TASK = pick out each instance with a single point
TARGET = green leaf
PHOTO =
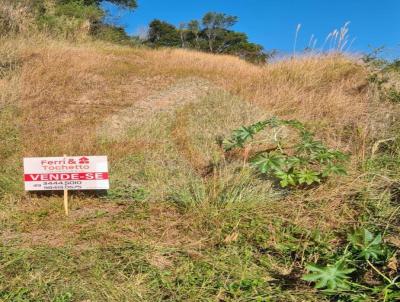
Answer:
(293, 161)
(308, 177)
(339, 155)
(310, 146)
(243, 133)
(332, 168)
(239, 137)
(229, 144)
(329, 277)
(257, 127)
(367, 245)
(286, 178)
(324, 156)
(266, 163)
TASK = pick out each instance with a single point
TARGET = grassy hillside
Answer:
(184, 221)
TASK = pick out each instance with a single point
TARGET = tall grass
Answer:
(15, 18)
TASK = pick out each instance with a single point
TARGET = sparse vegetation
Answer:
(384, 76)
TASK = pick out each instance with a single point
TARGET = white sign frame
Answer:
(66, 173)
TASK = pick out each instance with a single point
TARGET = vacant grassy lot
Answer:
(183, 221)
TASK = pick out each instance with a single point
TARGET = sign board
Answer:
(66, 173)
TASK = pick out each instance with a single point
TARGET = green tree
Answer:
(237, 44)
(215, 24)
(194, 29)
(128, 4)
(163, 34)
(211, 34)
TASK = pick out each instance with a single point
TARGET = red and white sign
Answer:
(66, 173)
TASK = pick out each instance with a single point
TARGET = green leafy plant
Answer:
(365, 253)
(308, 163)
(330, 277)
(367, 245)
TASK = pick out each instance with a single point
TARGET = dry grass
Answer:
(15, 17)
(67, 90)
(326, 91)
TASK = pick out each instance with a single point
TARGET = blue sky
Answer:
(272, 23)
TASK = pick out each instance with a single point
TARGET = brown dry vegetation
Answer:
(69, 89)
(57, 98)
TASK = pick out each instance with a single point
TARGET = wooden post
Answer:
(66, 199)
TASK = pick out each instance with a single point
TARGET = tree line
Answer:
(213, 33)
(71, 19)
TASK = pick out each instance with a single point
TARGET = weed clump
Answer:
(306, 162)
(361, 272)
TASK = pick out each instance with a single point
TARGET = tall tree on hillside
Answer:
(215, 24)
(194, 28)
(183, 33)
(163, 34)
(237, 43)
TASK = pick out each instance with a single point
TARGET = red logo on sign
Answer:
(84, 160)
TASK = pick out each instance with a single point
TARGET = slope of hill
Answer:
(182, 222)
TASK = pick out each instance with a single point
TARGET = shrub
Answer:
(384, 77)
(305, 163)
(110, 33)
